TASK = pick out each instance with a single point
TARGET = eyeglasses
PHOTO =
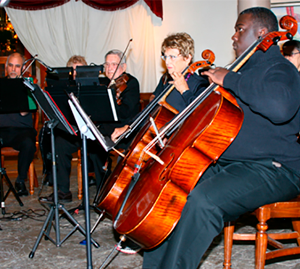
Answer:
(112, 64)
(292, 53)
(171, 57)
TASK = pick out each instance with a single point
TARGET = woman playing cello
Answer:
(261, 166)
(177, 52)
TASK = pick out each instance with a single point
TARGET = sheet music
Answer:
(106, 143)
(113, 108)
(49, 107)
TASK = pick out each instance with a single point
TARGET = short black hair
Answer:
(263, 17)
(289, 46)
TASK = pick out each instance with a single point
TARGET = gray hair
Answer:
(116, 52)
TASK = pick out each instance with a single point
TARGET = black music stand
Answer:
(88, 75)
(87, 130)
(9, 89)
(59, 76)
(56, 119)
(10, 186)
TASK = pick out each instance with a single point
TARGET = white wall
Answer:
(209, 22)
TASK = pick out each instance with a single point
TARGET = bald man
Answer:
(16, 129)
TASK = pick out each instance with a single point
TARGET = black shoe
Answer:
(21, 189)
(92, 181)
(48, 180)
(62, 197)
(128, 247)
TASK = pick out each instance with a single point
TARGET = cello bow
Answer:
(209, 57)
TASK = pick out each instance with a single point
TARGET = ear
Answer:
(262, 31)
(189, 58)
(124, 65)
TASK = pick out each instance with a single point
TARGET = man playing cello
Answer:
(262, 164)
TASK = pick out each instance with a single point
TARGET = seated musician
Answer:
(261, 166)
(16, 129)
(44, 135)
(177, 52)
(66, 144)
(291, 51)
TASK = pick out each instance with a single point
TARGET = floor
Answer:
(21, 226)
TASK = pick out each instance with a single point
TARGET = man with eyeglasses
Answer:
(67, 145)
(128, 106)
(291, 51)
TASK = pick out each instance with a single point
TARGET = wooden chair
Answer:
(9, 151)
(289, 209)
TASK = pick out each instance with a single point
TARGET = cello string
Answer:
(189, 109)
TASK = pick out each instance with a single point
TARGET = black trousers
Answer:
(23, 140)
(65, 146)
(225, 191)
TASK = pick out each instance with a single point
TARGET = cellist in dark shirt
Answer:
(261, 166)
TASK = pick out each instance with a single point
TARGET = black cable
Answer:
(33, 214)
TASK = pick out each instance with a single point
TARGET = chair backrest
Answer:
(35, 119)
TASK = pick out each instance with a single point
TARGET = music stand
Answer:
(59, 76)
(10, 186)
(10, 88)
(91, 97)
(88, 75)
(56, 119)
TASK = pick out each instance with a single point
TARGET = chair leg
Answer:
(36, 183)
(296, 227)
(228, 240)
(261, 244)
(31, 178)
(79, 175)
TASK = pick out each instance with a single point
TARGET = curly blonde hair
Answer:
(181, 41)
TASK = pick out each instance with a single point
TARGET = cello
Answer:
(203, 131)
(121, 176)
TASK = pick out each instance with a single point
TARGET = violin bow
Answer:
(113, 77)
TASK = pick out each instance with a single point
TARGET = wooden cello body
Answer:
(152, 208)
(123, 172)
(160, 194)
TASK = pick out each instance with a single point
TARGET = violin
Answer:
(120, 85)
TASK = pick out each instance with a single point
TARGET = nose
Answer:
(168, 59)
(234, 37)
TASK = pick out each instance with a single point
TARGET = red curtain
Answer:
(35, 4)
(108, 5)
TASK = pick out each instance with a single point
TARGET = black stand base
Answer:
(47, 227)
(10, 188)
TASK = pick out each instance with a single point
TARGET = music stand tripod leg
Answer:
(55, 207)
(2, 195)
(10, 185)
